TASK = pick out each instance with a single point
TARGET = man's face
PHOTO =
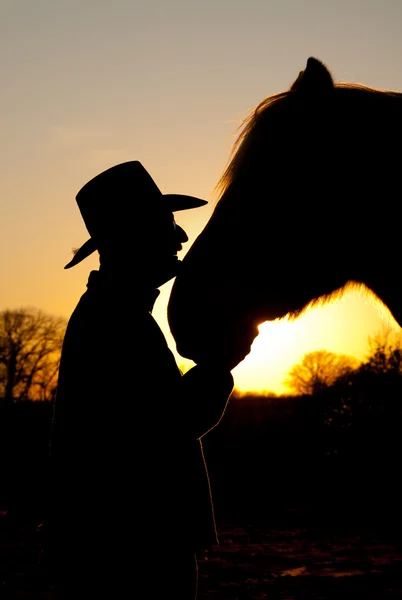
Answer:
(167, 239)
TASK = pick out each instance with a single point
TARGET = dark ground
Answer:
(265, 454)
(254, 560)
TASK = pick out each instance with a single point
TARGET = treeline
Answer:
(30, 348)
(336, 450)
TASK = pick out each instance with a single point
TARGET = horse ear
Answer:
(315, 77)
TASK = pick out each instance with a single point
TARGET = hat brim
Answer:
(183, 202)
(175, 202)
(82, 253)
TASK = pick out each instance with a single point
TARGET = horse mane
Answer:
(266, 122)
(319, 150)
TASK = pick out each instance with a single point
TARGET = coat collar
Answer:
(122, 287)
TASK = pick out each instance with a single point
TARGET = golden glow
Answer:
(342, 325)
(69, 111)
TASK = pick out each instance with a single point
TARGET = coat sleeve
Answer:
(204, 393)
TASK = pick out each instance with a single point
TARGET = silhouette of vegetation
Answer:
(318, 370)
(337, 451)
(385, 353)
(336, 448)
(368, 399)
(30, 346)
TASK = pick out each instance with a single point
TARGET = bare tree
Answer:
(385, 353)
(30, 348)
(318, 370)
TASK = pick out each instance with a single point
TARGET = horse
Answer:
(307, 206)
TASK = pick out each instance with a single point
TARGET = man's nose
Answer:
(181, 234)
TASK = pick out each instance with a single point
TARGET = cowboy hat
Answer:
(120, 194)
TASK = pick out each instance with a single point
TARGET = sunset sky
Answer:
(90, 83)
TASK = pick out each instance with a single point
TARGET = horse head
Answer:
(306, 205)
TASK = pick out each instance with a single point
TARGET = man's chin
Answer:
(169, 272)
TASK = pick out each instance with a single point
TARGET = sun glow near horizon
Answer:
(342, 325)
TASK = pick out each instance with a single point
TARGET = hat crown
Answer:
(116, 179)
(118, 195)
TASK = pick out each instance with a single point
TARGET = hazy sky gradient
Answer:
(87, 84)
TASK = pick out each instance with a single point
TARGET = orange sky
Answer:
(86, 85)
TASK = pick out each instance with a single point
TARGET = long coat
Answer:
(126, 453)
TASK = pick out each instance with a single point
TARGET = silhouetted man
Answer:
(130, 497)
